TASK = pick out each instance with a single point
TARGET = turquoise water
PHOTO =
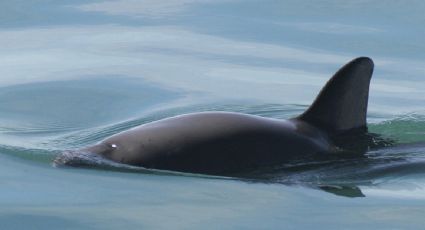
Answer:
(75, 72)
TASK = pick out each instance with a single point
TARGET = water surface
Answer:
(75, 72)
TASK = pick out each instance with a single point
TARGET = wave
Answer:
(407, 128)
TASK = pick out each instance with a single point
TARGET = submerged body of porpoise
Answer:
(221, 143)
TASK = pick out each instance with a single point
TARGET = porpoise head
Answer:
(92, 155)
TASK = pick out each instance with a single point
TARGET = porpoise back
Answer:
(222, 143)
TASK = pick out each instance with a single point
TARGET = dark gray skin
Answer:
(213, 143)
(222, 143)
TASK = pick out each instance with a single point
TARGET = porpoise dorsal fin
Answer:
(342, 103)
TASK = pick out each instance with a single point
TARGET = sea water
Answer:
(75, 72)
